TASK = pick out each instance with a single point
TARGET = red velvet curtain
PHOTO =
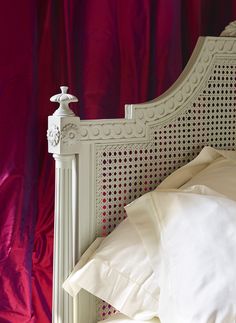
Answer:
(109, 52)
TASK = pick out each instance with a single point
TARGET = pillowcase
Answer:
(213, 168)
(220, 176)
(119, 272)
(196, 235)
(121, 318)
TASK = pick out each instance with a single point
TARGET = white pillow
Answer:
(126, 270)
(121, 318)
(120, 273)
(197, 237)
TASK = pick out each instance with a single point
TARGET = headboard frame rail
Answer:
(104, 164)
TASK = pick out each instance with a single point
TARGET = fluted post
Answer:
(63, 142)
(63, 261)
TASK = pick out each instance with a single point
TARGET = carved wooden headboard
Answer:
(102, 165)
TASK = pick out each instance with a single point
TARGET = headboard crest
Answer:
(64, 133)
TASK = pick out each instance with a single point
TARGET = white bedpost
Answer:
(63, 141)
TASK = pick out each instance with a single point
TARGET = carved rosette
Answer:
(53, 135)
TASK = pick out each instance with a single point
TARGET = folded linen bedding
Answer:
(121, 318)
(111, 273)
(183, 236)
(196, 262)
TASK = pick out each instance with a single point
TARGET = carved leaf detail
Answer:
(70, 134)
(230, 30)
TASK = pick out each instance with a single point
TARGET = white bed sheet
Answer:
(121, 318)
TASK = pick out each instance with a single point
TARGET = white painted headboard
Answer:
(102, 165)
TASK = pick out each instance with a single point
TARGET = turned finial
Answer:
(64, 99)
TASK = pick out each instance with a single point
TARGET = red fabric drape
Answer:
(109, 52)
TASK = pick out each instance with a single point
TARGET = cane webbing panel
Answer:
(124, 171)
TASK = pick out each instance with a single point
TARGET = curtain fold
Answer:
(109, 53)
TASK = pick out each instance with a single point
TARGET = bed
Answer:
(103, 165)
